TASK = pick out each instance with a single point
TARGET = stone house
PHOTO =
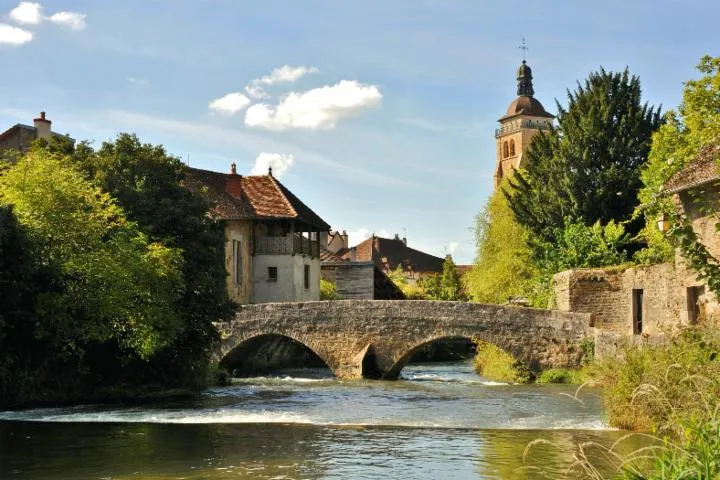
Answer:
(19, 137)
(387, 254)
(272, 239)
(645, 302)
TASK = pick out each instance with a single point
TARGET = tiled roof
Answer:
(252, 197)
(20, 126)
(701, 170)
(391, 253)
(328, 256)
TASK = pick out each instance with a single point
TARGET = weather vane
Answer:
(524, 48)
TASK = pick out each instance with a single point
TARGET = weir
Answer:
(380, 336)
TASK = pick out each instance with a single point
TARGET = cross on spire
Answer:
(523, 46)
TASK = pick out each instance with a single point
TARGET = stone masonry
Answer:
(343, 333)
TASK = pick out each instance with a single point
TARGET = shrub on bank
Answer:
(653, 388)
(495, 364)
(563, 375)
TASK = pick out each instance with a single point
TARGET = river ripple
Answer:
(439, 421)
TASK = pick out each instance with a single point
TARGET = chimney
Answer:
(405, 241)
(42, 126)
(397, 237)
(233, 182)
(345, 241)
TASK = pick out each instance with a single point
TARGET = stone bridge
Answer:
(350, 335)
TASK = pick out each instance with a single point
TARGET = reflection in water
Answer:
(438, 421)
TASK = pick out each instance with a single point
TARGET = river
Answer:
(439, 421)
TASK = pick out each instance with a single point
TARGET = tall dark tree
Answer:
(147, 183)
(588, 168)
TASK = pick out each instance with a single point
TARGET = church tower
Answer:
(524, 118)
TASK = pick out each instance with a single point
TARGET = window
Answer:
(237, 261)
(272, 274)
(505, 150)
(512, 148)
(307, 277)
(637, 310)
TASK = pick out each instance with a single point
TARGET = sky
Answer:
(379, 114)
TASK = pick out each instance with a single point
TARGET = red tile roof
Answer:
(391, 253)
(701, 170)
(250, 197)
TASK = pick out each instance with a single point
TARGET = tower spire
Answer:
(524, 75)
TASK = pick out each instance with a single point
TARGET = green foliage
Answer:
(328, 290)
(562, 375)
(445, 286)
(114, 284)
(695, 125)
(495, 364)
(587, 170)
(579, 246)
(412, 291)
(503, 267)
(147, 183)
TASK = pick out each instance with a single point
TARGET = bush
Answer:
(495, 364)
(658, 389)
(328, 290)
(562, 375)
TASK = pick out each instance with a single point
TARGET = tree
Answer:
(685, 132)
(588, 169)
(446, 285)
(503, 266)
(113, 284)
(148, 185)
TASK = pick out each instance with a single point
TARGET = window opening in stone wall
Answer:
(694, 306)
(272, 274)
(307, 277)
(637, 310)
(505, 150)
(237, 261)
(512, 148)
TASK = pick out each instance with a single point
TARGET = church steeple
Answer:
(524, 79)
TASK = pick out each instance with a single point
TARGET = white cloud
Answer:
(73, 20)
(14, 35)
(452, 247)
(279, 162)
(31, 13)
(319, 108)
(27, 13)
(284, 74)
(256, 92)
(362, 234)
(230, 104)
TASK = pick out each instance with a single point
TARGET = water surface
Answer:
(439, 421)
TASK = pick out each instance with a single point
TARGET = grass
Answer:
(565, 375)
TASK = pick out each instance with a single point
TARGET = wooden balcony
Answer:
(287, 245)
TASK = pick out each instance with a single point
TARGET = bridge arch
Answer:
(400, 358)
(269, 351)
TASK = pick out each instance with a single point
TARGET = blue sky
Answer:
(387, 108)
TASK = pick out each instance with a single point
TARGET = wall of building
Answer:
(522, 137)
(695, 207)
(670, 300)
(239, 230)
(290, 284)
(20, 140)
(353, 281)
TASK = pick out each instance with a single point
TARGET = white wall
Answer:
(290, 285)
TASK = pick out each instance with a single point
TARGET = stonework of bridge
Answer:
(346, 334)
